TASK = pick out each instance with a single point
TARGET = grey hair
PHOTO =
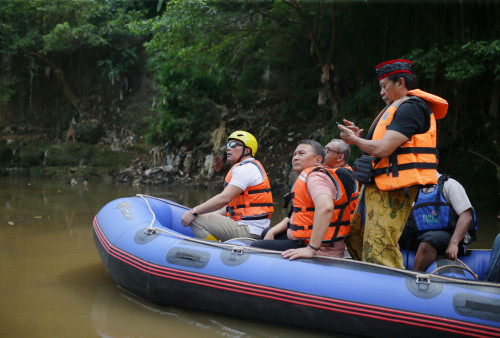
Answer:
(342, 148)
(318, 148)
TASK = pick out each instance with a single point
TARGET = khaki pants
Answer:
(221, 227)
(377, 224)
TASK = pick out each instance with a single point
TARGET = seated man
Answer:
(321, 208)
(337, 155)
(246, 201)
(442, 221)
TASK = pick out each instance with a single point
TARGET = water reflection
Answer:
(117, 313)
(53, 282)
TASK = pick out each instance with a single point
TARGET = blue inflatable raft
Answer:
(148, 252)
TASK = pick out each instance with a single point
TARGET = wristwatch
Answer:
(312, 247)
(193, 211)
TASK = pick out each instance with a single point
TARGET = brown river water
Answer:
(53, 284)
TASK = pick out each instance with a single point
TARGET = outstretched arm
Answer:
(213, 204)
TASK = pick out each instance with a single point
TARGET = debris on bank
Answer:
(120, 156)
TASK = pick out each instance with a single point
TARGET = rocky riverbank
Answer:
(117, 156)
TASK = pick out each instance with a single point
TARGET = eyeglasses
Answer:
(328, 151)
(233, 144)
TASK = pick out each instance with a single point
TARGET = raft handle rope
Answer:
(463, 267)
(152, 229)
(469, 269)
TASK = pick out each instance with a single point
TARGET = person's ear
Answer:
(319, 160)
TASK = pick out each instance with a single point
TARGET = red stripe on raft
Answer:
(370, 311)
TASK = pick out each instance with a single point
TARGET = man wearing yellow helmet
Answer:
(246, 201)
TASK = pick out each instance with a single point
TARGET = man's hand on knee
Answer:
(188, 218)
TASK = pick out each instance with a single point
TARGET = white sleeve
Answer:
(246, 175)
(455, 194)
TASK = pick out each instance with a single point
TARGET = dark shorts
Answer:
(438, 239)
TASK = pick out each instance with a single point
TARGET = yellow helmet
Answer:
(248, 140)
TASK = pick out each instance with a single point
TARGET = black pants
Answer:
(279, 243)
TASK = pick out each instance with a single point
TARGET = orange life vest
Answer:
(303, 208)
(256, 202)
(414, 162)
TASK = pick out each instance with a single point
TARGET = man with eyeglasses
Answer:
(337, 154)
(245, 206)
(319, 219)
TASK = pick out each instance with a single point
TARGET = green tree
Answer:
(474, 68)
(47, 32)
(211, 52)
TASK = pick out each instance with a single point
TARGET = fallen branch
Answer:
(486, 158)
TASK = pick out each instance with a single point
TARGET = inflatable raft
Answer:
(148, 252)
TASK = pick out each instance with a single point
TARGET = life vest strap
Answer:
(296, 209)
(259, 191)
(443, 178)
(416, 150)
(395, 168)
(239, 206)
(309, 227)
(287, 198)
(255, 217)
(342, 206)
(336, 239)
(338, 206)
(435, 203)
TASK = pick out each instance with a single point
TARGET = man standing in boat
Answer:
(245, 206)
(321, 204)
(402, 142)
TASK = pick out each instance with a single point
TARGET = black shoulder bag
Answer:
(363, 169)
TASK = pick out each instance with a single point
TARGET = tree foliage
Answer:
(44, 34)
(286, 68)
(311, 62)
(206, 52)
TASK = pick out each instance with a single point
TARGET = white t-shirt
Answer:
(247, 175)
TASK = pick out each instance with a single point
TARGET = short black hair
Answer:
(318, 148)
(410, 79)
